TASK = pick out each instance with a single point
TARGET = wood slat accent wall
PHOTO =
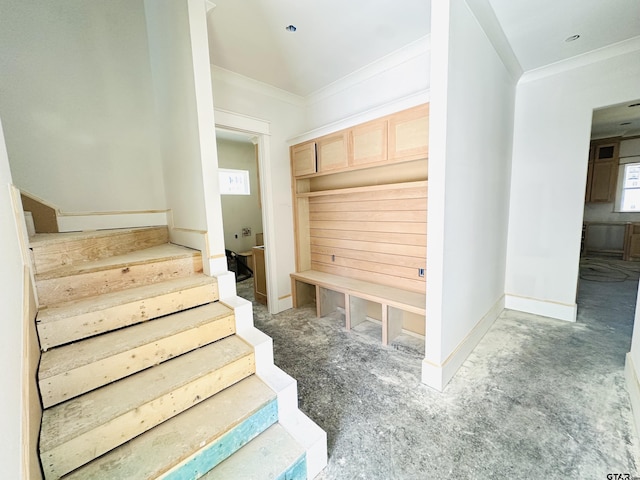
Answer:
(378, 234)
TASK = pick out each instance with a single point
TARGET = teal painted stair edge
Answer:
(214, 453)
(297, 471)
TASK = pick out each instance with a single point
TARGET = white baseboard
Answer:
(102, 221)
(437, 375)
(633, 387)
(559, 311)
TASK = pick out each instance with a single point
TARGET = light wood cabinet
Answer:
(602, 174)
(332, 151)
(368, 143)
(303, 159)
(259, 276)
(409, 134)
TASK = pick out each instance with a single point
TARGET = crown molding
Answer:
(610, 51)
(253, 85)
(394, 59)
(412, 100)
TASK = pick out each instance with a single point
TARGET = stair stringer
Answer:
(304, 430)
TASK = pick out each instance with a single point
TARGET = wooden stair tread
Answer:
(77, 368)
(53, 251)
(94, 349)
(167, 251)
(108, 300)
(161, 448)
(43, 239)
(74, 320)
(266, 457)
(77, 431)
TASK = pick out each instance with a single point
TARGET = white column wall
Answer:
(551, 144)
(77, 104)
(11, 341)
(472, 105)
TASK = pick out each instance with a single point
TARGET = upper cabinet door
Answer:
(409, 134)
(303, 159)
(369, 143)
(332, 152)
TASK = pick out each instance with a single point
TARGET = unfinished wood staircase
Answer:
(142, 375)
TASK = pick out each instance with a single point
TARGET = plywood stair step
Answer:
(71, 370)
(75, 432)
(78, 319)
(56, 250)
(190, 444)
(274, 454)
(141, 267)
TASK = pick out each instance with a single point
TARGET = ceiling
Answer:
(335, 37)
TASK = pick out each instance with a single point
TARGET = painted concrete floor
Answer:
(537, 399)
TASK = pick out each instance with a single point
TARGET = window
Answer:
(234, 182)
(630, 198)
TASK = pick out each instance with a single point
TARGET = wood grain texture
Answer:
(133, 269)
(80, 319)
(157, 451)
(75, 432)
(72, 370)
(51, 252)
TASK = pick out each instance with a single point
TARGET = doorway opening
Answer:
(610, 249)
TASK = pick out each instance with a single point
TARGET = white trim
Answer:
(544, 308)
(285, 303)
(260, 128)
(438, 375)
(372, 70)
(633, 387)
(297, 424)
(486, 17)
(394, 106)
(78, 222)
(243, 82)
(594, 56)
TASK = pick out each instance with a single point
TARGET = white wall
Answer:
(397, 81)
(77, 104)
(472, 105)
(11, 299)
(551, 144)
(240, 211)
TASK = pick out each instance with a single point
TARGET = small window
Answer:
(234, 182)
(630, 199)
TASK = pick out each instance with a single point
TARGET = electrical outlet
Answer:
(421, 272)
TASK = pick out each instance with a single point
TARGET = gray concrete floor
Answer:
(537, 399)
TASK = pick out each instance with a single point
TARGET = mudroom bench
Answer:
(330, 291)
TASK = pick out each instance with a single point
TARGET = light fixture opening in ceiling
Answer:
(634, 105)
(291, 28)
(572, 38)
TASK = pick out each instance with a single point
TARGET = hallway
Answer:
(538, 398)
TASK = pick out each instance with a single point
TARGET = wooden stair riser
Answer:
(81, 449)
(49, 256)
(174, 442)
(222, 448)
(71, 383)
(82, 285)
(76, 327)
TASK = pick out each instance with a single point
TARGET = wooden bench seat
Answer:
(356, 293)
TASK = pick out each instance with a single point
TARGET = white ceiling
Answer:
(336, 37)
